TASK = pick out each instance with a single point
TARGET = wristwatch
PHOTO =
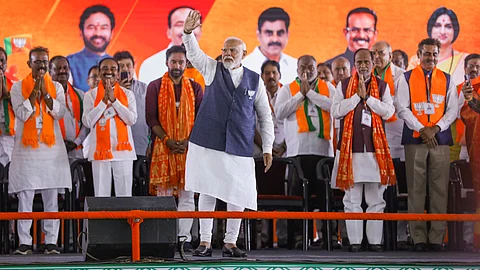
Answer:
(47, 96)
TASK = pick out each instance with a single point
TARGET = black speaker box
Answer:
(107, 239)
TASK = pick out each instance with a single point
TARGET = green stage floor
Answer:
(238, 266)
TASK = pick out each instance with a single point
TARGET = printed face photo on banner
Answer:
(282, 33)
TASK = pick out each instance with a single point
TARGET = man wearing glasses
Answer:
(360, 32)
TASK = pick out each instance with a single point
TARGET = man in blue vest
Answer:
(219, 159)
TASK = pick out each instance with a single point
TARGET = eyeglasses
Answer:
(94, 77)
(380, 53)
(356, 30)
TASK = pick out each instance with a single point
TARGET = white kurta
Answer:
(394, 130)
(305, 143)
(6, 141)
(218, 174)
(70, 128)
(92, 114)
(44, 167)
(365, 166)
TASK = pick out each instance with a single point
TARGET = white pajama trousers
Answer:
(50, 226)
(207, 203)
(122, 175)
(376, 204)
(186, 202)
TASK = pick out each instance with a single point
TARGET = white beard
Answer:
(229, 65)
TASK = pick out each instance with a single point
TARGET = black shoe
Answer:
(23, 250)
(187, 247)
(355, 248)
(51, 249)
(233, 252)
(403, 245)
(202, 251)
(420, 247)
(375, 248)
(436, 247)
(335, 245)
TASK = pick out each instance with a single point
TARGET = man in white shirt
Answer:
(427, 101)
(109, 111)
(363, 166)
(140, 130)
(223, 168)
(7, 116)
(39, 160)
(73, 131)
(153, 67)
(304, 106)
(272, 33)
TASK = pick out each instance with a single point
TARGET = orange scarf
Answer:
(77, 110)
(168, 170)
(460, 126)
(418, 96)
(471, 119)
(104, 147)
(304, 120)
(8, 111)
(345, 166)
(30, 135)
(387, 76)
(194, 74)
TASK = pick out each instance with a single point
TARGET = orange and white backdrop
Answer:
(141, 25)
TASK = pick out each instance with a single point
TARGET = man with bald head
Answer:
(385, 69)
(363, 166)
(340, 69)
(223, 168)
(304, 106)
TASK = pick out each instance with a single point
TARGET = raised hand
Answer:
(192, 21)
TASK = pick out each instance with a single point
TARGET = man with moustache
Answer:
(271, 76)
(363, 164)
(470, 114)
(140, 130)
(304, 106)
(109, 111)
(272, 33)
(172, 104)
(384, 69)
(39, 160)
(96, 28)
(7, 115)
(153, 68)
(400, 59)
(223, 168)
(340, 69)
(73, 131)
(324, 72)
(93, 77)
(428, 103)
(360, 32)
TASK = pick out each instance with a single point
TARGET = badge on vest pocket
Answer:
(366, 118)
(250, 93)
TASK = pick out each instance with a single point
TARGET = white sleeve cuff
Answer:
(28, 105)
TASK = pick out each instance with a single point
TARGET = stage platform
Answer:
(260, 259)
